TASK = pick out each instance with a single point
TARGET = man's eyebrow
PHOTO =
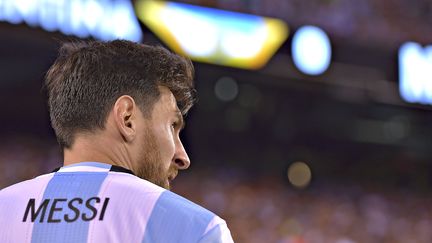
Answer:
(180, 119)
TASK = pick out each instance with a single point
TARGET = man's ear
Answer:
(125, 114)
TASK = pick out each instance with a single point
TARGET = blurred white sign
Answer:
(415, 73)
(102, 19)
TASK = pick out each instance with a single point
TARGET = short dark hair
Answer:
(88, 77)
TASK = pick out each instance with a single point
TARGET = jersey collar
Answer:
(92, 167)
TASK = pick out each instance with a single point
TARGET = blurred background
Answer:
(313, 123)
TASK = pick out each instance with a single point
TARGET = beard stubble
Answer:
(151, 167)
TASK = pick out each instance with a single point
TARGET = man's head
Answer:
(130, 94)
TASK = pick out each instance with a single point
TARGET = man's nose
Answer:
(181, 159)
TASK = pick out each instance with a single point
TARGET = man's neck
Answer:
(95, 149)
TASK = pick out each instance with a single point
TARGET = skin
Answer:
(149, 147)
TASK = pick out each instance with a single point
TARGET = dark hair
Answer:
(88, 77)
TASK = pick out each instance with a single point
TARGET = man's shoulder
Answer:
(185, 220)
(182, 206)
(168, 200)
(24, 186)
(131, 184)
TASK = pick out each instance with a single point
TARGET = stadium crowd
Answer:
(265, 209)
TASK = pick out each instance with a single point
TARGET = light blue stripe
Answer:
(67, 185)
(175, 219)
(94, 164)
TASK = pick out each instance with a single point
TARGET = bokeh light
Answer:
(226, 89)
(311, 50)
(299, 174)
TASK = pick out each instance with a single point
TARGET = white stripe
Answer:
(215, 221)
(83, 168)
(14, 199)
(130, 206)
(225, 234)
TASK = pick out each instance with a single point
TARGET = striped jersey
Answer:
(96, 202)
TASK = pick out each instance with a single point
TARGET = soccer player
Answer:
(117, 110)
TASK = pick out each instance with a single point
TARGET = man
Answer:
(117, 110)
